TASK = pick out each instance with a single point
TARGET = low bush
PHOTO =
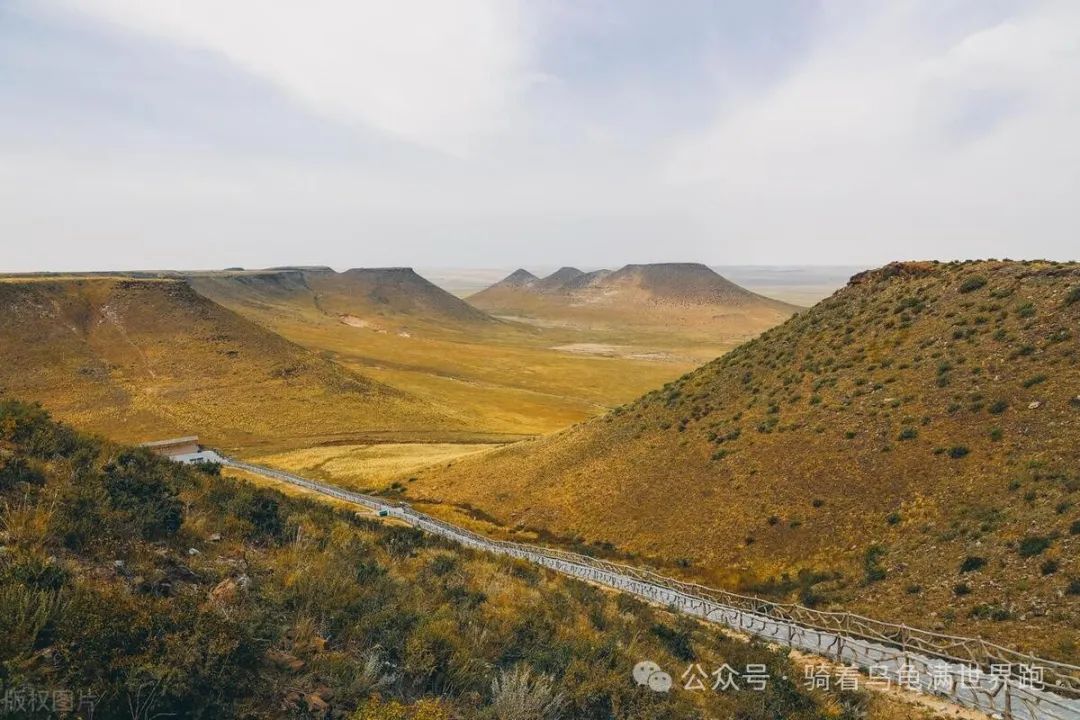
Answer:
(972, 563)
(996, 613)
(1033, 545)
(972, 283)
(872, 563)
(18, 470)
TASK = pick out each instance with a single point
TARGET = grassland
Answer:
(368, 467)
(160, 590)
(907, 448)
(138, 359)
(491, 376)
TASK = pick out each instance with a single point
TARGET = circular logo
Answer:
(643, 670)
(659, 681)
(649, 674)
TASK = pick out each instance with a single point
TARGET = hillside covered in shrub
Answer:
(909, 448)
(158, 589)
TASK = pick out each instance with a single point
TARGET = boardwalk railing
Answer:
(969, 671)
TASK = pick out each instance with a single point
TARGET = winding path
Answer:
(969, 672)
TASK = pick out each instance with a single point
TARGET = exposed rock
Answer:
(284, 660)
(225, 592)
(316, 704)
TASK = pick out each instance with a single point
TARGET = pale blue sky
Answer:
(493, 133)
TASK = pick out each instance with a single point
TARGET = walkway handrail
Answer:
(1061, 678)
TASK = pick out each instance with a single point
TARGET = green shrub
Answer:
(1033, 545)
(972, 283)
(142, 486)
(972, 563)
(958, 451)
(908, 433)
(1034, 380)
(17, 470)
(996, 613)
(998, 407)
(1049, 566)
(402, 542)
(1073, 296)
(262, 511)
(872, 563)
(678, 640)
(961, 589)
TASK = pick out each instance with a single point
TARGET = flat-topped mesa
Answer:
(252, 287)
(401, 290)
(397, 293)
(681, 282)
(304, 268)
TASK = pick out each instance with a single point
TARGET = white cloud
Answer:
(884, 132)
(432, 72)
(957, 145)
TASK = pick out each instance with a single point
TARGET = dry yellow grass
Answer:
(368, 467)
(140, 359)
(490, 376)
(855, 456)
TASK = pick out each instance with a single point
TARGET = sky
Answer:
(152, 134)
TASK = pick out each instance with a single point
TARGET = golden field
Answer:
(140, 359)
(491, 375)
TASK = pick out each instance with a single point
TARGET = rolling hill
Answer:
(497, 378)
(136, 359)
(908, 448)
(687, 299)
(390, 297)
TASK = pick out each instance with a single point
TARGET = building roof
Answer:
(173, 441)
